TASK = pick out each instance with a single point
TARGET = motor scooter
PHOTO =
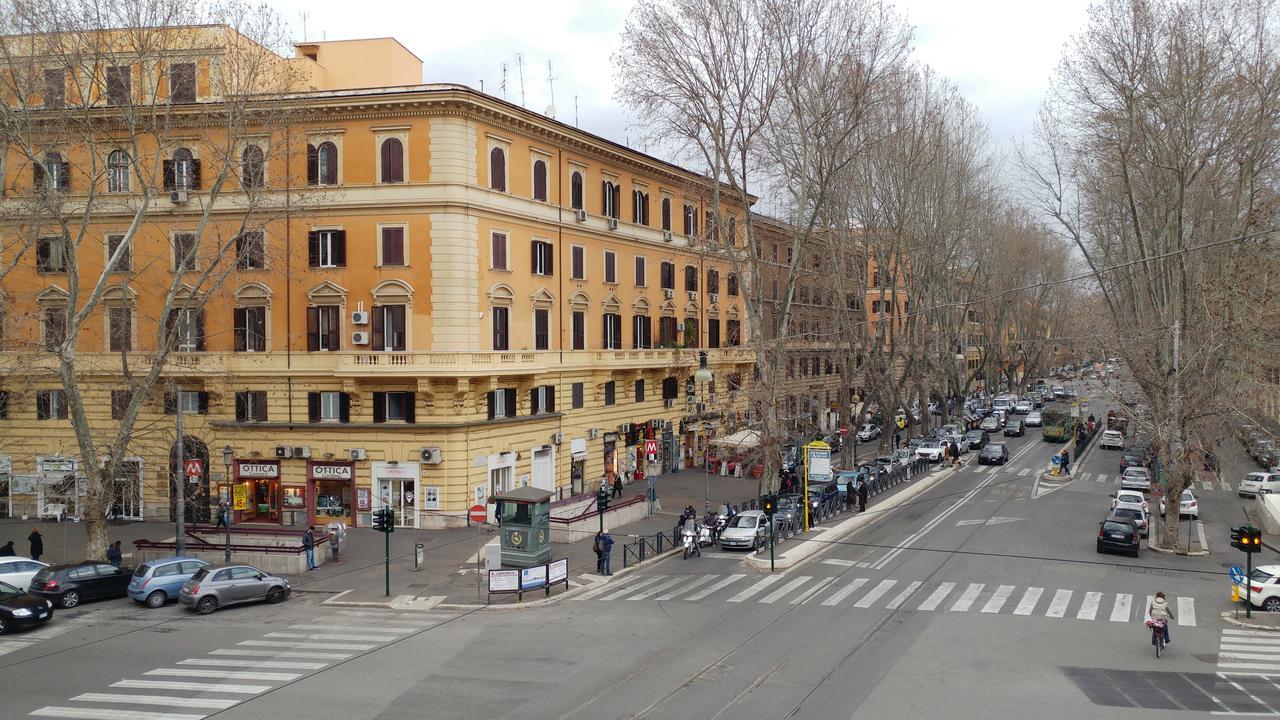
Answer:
(691, 545)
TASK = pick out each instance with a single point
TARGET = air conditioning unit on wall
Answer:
(613, 223)
(359, 338)
(430, 455)
(302, 452)
(178, 197)
(360, 317)
(357, 454)
(284, 453)
(580, 215)
(666, 235)
(557, 438)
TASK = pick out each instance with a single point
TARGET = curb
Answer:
(1230, 618)
(808, 547)
(1167, 551)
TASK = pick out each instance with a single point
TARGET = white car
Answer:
(962, 443)
(1023, 407)
(1136, 478)
(1265, 584)
(748, 529)
(1259, 482)
(930, 450)
(1111, 440)
(868, 432)
(1059, 391)
(1130, 497)
(18, 571)
(1034, 419)
(903, 457)
(1188, 507)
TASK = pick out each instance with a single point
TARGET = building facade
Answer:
(452, 297)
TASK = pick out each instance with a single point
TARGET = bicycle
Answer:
(1157, 635)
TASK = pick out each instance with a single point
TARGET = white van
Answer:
(1259, 482)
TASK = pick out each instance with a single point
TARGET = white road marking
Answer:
(1085, 476)
(1235, 655)
(609, 587)
(817, 587)
(1204, 543)
(1089, 606)
(1186, 611)
(104, 714)
(864, 565)
(933, 601)
(902, 597)
(784, 590)
(224, 674)
(171, 700)
(633, 587)
(307, 645)
(760, 585)
(1251, 695)
(283, 654)
(837, 561)
(1023, 472)
(688, 587)
(655, 589)
(937, 520)
(845, 591)
(966, 598)
(267, 664)
(718, 586)
(1102, 477)
(998, 600)
(1251, 633)
(331, 636)
(389, 629)
(1058, 606)
(1121, 610)
(1028, 601)
(876, 592)
(192, 686)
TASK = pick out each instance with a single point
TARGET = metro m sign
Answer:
(193, 469)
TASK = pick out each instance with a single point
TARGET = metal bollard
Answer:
(419, 551)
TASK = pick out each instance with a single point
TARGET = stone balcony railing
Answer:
(406, 364)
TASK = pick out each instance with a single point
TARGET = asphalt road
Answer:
(982, 598)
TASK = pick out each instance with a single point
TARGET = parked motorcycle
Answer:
(691, 546)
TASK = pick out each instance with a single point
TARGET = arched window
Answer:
(732, 282)
(183, 171)
(575, 190)
(253, 170)
(540, 180)
(118, 171)
(713, 281)
(498, 169)
(666, 213)
(322, 164)
(392, 161)
(53, 173)
(690, 278)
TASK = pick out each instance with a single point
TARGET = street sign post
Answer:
(1237, 574)
(193, 469)
(817, 468)
(477, 514)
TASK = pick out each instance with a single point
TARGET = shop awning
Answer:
(741, 440)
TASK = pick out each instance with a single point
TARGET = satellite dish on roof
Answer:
(550, 112)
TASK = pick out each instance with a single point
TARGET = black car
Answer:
(1118, 536)
(1013, 427)
(993, 454)
(21, 610)
(977, 439)
(69, 585)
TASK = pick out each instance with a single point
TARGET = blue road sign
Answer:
(1237, 574)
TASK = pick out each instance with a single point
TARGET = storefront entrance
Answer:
(396, 486)
(331, 487)
(126, 492)
(256, 497)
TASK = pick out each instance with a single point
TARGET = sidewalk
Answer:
(447, 575)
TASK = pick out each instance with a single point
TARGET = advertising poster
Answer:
(534, 577)
(504, 581)
(558, 571)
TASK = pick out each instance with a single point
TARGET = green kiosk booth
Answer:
(524, 516)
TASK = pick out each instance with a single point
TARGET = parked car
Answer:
(1188, 506)
(1129, 497)
(977, 439)
(69, 585)
(748, 529)
(19, 609)
(1059, 391)
(1111, 440)
(1013, 428)
(990, 424)
(1119, 535)
(18, 571)
(993, 454)
(1136, 478)
(930, 450)
(789, 515)
(961, 442)
(868, 432)
(1265, 586)
(1129, 460)
(903, 457)
(1136, 515)
(156, 582)
(214, 586)
(1022, 407)
(1256, 482)
(1034, 419)
(821, 493)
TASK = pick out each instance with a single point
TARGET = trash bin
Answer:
(419, 553)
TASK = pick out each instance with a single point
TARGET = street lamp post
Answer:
(703, 375)
(228, 454)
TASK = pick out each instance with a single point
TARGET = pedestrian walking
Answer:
(7, 550)
(862, 494)
(223, 515)
(897, 440)
(114, 555)
(606, 548)
(955, 454)
(37, 543)
(1066, 462)
(309, 544)
(598, 548)
(617, 486)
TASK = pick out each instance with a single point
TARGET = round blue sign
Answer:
(1237, 574)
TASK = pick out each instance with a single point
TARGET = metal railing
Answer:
(647, 547)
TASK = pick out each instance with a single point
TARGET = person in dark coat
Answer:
(1066, 462)
(598, 548)
(309, 545)
(862, 495)
(606, 548)
(7, 550)
(37, 543)
(955, 454)
(114, 555)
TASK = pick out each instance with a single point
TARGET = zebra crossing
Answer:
(193, 688)
(891, 594)
(1199, 484)
(1248, 652)
(48, 632)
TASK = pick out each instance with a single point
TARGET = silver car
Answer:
(747, 529)
(217, 585)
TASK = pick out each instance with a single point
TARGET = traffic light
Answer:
(769, 505)
(602, 500)
(378, 523)
(1237, 537)
(1247, 538)
(384, 520)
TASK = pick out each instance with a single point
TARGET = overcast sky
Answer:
(999, 52)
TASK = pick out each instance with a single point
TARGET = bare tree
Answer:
(104, 129)
(1156, 158)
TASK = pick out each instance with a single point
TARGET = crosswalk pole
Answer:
(770, 544)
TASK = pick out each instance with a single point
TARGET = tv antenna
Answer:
(503, 85)
(520, 71)
(551, 90)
